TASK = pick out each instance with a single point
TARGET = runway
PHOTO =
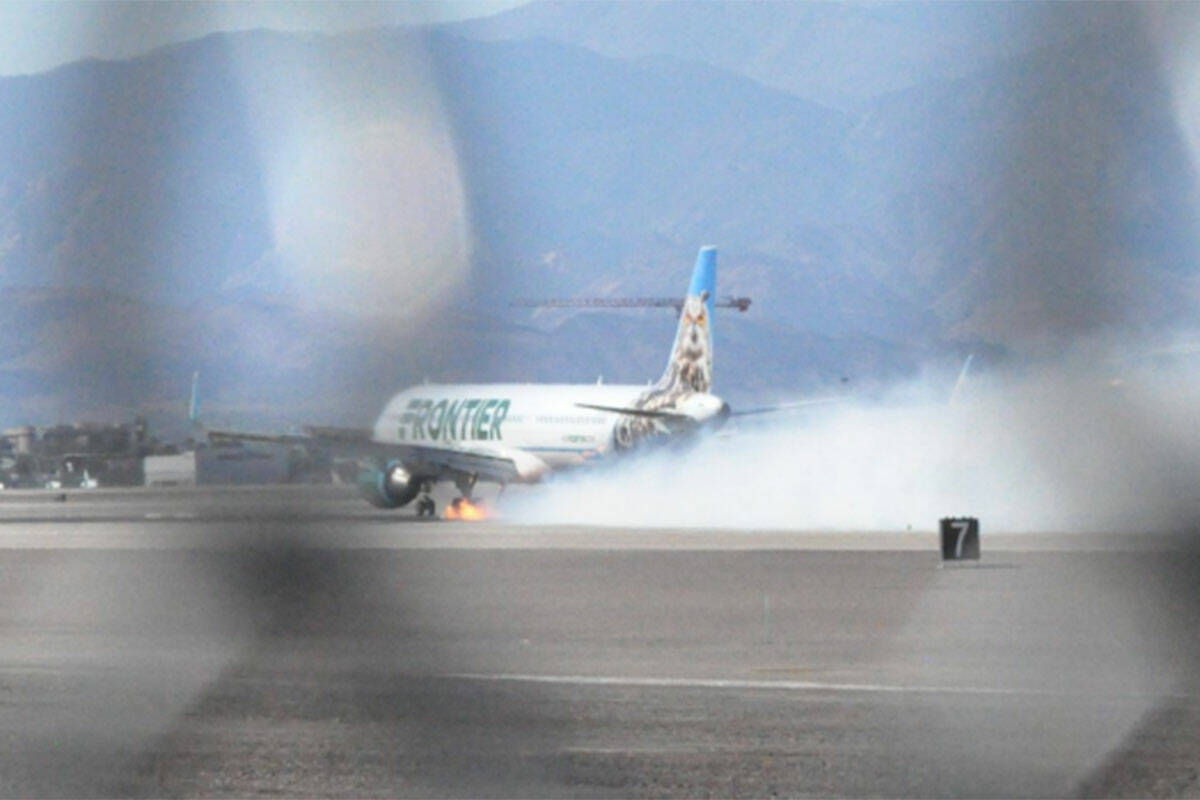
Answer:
(293, 642)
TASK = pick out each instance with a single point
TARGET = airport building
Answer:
(222, 465)
(124, 454)
(75, 454)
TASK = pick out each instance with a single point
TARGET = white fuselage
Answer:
(541, 426)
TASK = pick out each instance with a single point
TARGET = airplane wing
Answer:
(359, 443)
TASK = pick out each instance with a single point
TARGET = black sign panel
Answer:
(960, 538)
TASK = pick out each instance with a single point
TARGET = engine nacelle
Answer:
(390, 487)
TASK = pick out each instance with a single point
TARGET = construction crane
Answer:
(740, 303)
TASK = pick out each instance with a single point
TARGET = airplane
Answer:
(520, 432)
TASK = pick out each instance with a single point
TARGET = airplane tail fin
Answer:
(199, 431)
(194, 401)
(691, 364)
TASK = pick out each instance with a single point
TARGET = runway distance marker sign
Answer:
(960, 538)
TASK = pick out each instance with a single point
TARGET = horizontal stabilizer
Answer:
(816, 401)
(635, 412)
(737, 303)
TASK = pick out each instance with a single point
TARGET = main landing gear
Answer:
(463, 507)
(425, 505)
(465, 485)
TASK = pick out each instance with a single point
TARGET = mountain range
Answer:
(313, 221)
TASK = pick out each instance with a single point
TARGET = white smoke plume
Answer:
(1089, 444)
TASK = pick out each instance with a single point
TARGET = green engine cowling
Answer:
(390, 487)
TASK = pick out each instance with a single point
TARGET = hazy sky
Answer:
(37, 36)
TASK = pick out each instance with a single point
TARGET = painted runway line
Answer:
(791, 685)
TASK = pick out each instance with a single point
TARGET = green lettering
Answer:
(468, 409)
(482, 419)
(436, 415)
(498, 416)
(407, 418)
(423, 414)
(450, 429)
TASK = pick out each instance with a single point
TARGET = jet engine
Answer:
(390, 487)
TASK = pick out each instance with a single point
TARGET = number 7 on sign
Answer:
(962, 526)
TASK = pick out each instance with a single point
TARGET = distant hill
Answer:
(840, 54)
(313, 221)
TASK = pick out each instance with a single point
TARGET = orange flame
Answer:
(464, 509)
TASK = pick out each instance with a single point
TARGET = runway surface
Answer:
(294, 642)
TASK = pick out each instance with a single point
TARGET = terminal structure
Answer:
(87, 455)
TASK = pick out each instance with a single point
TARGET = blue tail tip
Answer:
(704, 276)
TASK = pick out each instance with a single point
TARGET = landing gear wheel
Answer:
(426, 506)
(465, 485)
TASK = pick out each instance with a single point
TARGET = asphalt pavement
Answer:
(256, 643)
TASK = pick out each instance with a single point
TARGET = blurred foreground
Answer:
(278, 653)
